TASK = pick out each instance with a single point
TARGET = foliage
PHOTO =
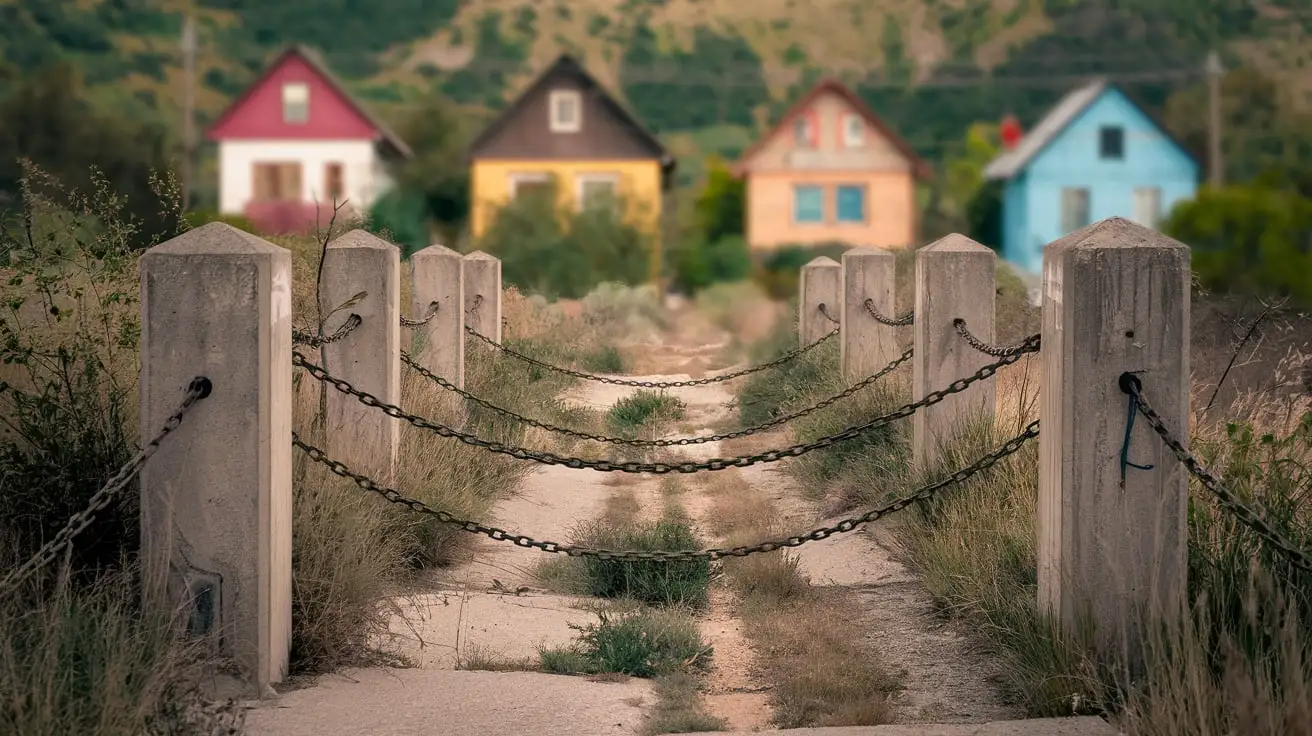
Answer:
(779, 270)
(550, 250)
(699, 264)
(438, 174)
(196, 218)
(681, 582)
(768, 394)
(721, 204)
(1248, 238)
(398, 216)
(641, 643)
(643, 408)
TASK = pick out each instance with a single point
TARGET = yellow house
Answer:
(831, 170)
(566, 126)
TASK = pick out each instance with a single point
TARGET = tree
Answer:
(438, 173)
(722, 203)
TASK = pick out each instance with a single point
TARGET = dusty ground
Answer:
(490, 605)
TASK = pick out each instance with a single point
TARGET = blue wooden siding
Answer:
(1033, 199)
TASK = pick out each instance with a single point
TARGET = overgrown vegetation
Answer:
(642, 642)
(644, 409)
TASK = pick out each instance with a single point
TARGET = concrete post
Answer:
(954, 278)
(483, 294)
(216, 499)
(1112, 547)
(821, 284)
(440, 345)
(868, 273)
(369, 357)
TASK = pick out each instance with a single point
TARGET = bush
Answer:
(1248, 238)
(196, 218)
(643, 643)
(779, 270)
(701, 264)
(682, 582)
(643, 409)
(399, 216)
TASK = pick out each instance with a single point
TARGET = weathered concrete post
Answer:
(868, 273)
(440, 344)
(1112, 538)
(216, 499)
(369, 357)
(954, 279)
(483, 294)
(821, 288)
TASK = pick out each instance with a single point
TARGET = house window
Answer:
(851, 202)
(596, 189)
(802, 132)
(854, 131)
(276, 182)
(528, 184)
(334, 186)
(295, 102)
(566, 111)
(1111, 142)
(1147, 206)
(1074, 209)
(808, 204)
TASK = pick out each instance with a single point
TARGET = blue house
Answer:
(1095, 155)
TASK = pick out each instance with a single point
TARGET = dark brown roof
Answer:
(918, 166)
(316, 62)
(565, 64)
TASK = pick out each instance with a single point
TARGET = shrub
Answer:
(643, 409)
(643, 643)
(771, 393)
(700, 264)
(196, 218)
(779, 270)
(650, 581)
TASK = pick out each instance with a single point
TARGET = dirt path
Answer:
(490, 606)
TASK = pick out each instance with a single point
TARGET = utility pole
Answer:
(1215, 162)
(188, 107)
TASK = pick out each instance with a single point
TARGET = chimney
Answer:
(1011, 132)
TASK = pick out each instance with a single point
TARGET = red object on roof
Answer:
(1011, 132)
(919, 168)
(257, 114)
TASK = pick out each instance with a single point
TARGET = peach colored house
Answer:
(831, 170)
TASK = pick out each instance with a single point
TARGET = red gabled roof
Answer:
(317, 66)
(830, 84)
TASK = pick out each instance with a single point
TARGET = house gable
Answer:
(607, 131)
(332, 114)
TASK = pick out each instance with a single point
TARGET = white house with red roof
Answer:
(295, 138)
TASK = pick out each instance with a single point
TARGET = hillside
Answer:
(705, 73)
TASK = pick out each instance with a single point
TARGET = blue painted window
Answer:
(852, 204)
(808, 204)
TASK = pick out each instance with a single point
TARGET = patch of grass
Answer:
(484, 659)
(644, 410)
(679, 708)
(682, 582)
(774, 392)
(642, 643)
(605, 359)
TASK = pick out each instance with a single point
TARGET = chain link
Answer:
(657, 468)
(1246, 515)
(902, 321)
(815, 535)
(650, 384)
(997, 351)
(310, 339)
(680, 442)
(432, 312)
(824, 309)
(198, 389)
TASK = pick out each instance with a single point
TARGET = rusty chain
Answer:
(1248, 516)
(997, 351)
(791, 355)
(198, 389)
(657, 468)
(432, 312)
(302, 337)
(902, 321)
(679, 442)
(824, 309)
(500, 535)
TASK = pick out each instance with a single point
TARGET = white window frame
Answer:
(854, 136)
(593, 177)
(565, 126)
(528, 177)
(288, 102)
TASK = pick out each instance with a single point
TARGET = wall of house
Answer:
(364, 176)
(890, 209)
(640, 185)
(1151, 160)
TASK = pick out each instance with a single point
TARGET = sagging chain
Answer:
(824, 309)
(1248, 516)
(432, 312)
(679, 442)
(302, 337)
(500, 535)
(656, 468)
(791, 355)
(902, 321)
(997, 351)
(198, 389)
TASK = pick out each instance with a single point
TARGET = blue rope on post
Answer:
(1131, 385)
